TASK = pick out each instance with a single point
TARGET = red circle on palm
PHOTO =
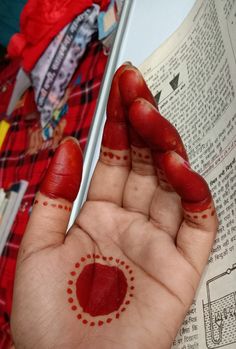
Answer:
(101, 289)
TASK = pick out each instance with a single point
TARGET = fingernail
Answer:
(63, 177)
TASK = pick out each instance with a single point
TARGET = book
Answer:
(13, 198)
(193, 78)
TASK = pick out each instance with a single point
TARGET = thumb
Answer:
(53, 203)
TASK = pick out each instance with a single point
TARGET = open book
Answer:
(193, 78)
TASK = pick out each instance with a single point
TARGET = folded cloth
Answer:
(53, 71)
(40, 22)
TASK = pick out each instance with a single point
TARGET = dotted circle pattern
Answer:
(71, 289)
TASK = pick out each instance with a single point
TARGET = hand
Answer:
(127, 271)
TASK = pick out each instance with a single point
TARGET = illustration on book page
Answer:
(220, 309)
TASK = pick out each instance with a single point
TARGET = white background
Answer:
(150, 23)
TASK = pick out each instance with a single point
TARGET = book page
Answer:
(193, 78)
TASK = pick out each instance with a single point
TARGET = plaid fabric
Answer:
(16, 163)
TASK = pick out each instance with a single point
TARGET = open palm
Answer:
(126, 273)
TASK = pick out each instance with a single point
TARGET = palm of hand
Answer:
(160, 281)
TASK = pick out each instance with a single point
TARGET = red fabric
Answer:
(40, 21)
(16, 163)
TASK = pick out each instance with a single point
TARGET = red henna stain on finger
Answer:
(191, 187)
(135, 139)
(116, 111)
(156, 131)
(115, 135)
(132, 86)
(100, 290)
(63, 177)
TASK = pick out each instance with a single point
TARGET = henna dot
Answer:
(140, 155)
(110, 155)
(117, 316)
(66, 208)
(127, 302)
(53, 205)
(117, 260)
(131, 295)
(82, 259)
(110, 258)
(77, 265)
(125, 157)
(122, 262)
(94, 255)
(45, 203)
(85, 321)
(132, 287)
(188, 215)
(204, 216)
(88, 255)
(92, 323)
(212, 213)
(36, 202)
(97, 256)
(127, 267)
(79, 316)
(134, 152)
(196, 217)
(105, 153)
(131, 271)
(100, 323)
(73, 273)
(70, 282)
(70, 208)
(69, 290)
(123, 309)
(132, 279)
(147, 157)
(70, 300)
(109, 320)
(117, 157)
(74, 307)
(104, 258)
(60, 206)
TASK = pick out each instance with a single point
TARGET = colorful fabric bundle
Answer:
(55, 68)
(40, 22)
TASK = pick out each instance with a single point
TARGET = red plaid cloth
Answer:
(16, 164)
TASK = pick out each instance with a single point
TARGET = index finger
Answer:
(113, 167)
